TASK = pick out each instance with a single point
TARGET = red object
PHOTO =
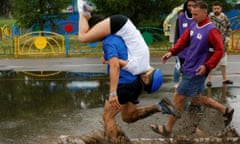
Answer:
(68, 28)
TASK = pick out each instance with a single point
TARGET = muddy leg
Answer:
(111, 128)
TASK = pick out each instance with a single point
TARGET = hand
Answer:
(227, 40)
(103, 60)
(113, 100)
(201, 70)
(166, 57)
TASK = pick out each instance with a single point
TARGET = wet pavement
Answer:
(69, 112)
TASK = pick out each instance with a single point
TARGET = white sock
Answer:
(80, 4)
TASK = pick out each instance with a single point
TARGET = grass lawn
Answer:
(4, 21)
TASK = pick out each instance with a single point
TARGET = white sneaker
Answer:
(87, 10)
(80, 4)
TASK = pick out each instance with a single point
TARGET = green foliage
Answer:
(5, 8)
(141, 12)
(29, 12)
(144, 12)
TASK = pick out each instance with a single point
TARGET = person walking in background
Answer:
(198, 38)
(221, 21)
(183, 22)
(169, 23)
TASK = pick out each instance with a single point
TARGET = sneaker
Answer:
(227, 82)
(209, 84)
(168, 108)
(228, 116)
(80, 4)
(87, 10)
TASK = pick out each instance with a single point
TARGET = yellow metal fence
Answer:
(45, 43)
(39, 43)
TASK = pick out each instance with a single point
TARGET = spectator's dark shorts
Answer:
(129, 92)
(190, 86)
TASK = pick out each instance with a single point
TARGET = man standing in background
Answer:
(222, 23)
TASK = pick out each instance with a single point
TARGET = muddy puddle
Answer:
(55, 107)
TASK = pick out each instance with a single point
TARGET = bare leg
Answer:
(110, 126)
(130, 112)
(96, 33)
(178, 102)
(209, 78)
(83, 24)
(223, 70)
(209, 102)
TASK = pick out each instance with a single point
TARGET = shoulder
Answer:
(225, 17)
(113, 42)
(214, 32)
(181, 15)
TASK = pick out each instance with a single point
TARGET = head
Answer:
(217, 8)
(152, 80)
(187, 7)
(200, 11)
(95, 19)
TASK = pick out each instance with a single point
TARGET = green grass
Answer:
(4, 21)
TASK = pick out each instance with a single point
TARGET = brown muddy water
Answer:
(65, 107)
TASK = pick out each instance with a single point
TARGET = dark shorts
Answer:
(190, 86)
(129, 92)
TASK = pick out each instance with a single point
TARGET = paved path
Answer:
(93, 64)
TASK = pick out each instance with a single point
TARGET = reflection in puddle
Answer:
(81, 85)
(22, 94)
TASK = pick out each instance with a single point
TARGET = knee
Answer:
(178, 103)
(82, 39)
(104, 116)
(196, 102)
(127, 119)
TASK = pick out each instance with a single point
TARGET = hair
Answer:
(185, 7)
(95, 19)
(217, 3)
(201, 4)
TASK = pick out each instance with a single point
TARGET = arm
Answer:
(122, 63)
(227, 32)
(215, 41)
(181, 43)
(114, 77)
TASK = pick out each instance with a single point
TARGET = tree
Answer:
(6, 8)
(141, 12)
(29, 12)
(145, 12)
